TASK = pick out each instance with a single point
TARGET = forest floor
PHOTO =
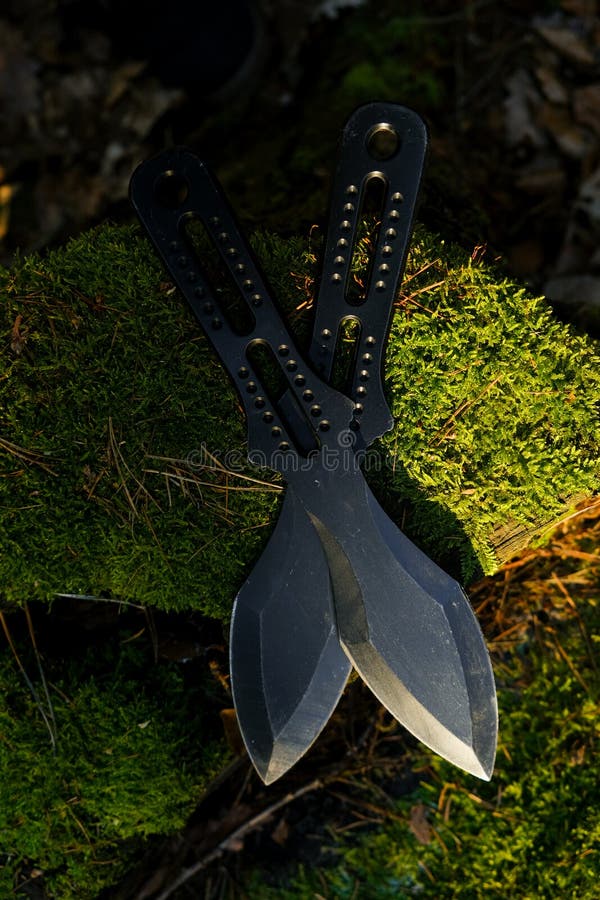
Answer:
(510, 91)
(363, 755)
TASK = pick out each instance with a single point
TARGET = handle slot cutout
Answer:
(292, 412)
(229, 295)
(345, 353)
(372, 204)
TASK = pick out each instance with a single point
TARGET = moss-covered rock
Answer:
(111, 402)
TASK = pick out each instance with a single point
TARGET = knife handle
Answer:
(167, 193)
(387, 142)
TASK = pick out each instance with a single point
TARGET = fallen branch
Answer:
(234, 838)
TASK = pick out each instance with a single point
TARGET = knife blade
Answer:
(338, 507)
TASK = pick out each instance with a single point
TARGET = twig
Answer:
(176, 476)
(92, 597)
(117, 455)
(446, 428)
(237, 835)
(570, 664)
(28, 680)
(33, 457)
(38, 659)
(217, 466)
(578, 512)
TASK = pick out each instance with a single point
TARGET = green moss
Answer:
(132, 757)
(497, 405)
(111, 378)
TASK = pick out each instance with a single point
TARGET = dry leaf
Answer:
(281, 832)
(552, 88)
(234, 844)
(17, 340)
(6, 193)
(572, 140)
(587, 206)
(419, 825)
(578, 756)
(586, 106)
(543, 176)
(233, 735)
(522, 98)
(568, 44)
(121, 79)
(584, 9)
